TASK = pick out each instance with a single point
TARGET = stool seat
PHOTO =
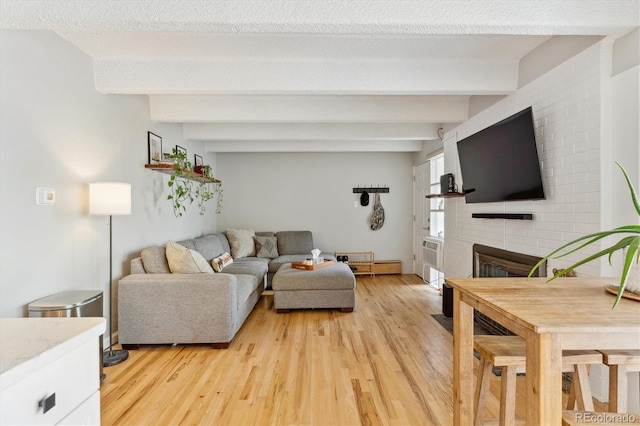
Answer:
(620, 362)
(509, 353)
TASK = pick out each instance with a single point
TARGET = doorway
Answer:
(428, 213)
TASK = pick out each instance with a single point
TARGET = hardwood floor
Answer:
(388, 362)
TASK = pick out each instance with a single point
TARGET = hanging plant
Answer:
(184, 190)
(181, 188)
(206, 190)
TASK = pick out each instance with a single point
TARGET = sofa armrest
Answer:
(177, 308)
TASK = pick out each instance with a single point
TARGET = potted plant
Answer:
(628, 244)
(184, 190)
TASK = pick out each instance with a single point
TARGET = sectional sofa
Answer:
(158, 306)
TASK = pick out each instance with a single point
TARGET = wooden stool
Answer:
(620, 362)
(509, 353)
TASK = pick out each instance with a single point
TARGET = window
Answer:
(436, 215)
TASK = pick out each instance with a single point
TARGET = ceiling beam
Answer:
(308, 109)
(329, 16)
(306, 77)
(314, 146)
(309, 131)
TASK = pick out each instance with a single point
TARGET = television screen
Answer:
(500, 163)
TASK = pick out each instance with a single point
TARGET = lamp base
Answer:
(112, 357)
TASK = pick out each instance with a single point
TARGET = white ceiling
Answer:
(330, 75)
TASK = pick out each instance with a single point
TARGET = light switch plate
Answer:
(45, 196)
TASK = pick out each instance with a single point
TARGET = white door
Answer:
(421, 207)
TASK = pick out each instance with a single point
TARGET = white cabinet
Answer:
(50, 358)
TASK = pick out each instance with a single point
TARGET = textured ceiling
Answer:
(290, 76)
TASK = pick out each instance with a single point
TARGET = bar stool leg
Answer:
(482, 390)
(617, 389)
(508, 397)
(582, 388)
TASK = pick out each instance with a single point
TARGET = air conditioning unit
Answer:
(433, 252)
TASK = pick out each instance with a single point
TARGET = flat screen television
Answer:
(500, 163)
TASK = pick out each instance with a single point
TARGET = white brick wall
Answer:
(566, 110)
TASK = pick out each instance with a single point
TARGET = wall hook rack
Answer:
(371, 189)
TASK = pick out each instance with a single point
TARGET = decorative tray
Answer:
(613, 289)
(301, 265)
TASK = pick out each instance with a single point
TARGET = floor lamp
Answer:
(110, 198)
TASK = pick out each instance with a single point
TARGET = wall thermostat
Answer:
(45, 196)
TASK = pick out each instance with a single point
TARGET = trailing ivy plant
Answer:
(205, 191)
(184, 190)
(181, 188)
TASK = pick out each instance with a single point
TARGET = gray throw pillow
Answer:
(266, 247)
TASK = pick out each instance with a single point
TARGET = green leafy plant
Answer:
(629, 243)
(184, 190)
(206, 190)
(181, 188)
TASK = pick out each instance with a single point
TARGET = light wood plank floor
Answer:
(388, 362)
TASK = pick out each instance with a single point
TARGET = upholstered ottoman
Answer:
(330, 287)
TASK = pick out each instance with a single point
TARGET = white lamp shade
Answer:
(110, 198)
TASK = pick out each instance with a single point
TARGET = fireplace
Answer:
(494, 262)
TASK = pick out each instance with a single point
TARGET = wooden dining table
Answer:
(567, 313)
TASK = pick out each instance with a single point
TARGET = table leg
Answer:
(463, 386)
(544, 379)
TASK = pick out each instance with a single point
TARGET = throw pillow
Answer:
(221, 261)
(186, 261)
(266, 247)
(241, 242)
(154, 260)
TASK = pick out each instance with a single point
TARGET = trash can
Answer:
(74, 303)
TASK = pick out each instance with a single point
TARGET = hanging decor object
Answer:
(377, 217)
(364, 198)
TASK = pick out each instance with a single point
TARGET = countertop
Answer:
(28, 344)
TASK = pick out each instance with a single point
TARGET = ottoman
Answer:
(330, 287)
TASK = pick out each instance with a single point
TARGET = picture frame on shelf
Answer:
(197, 160)
(154, 148)
(181, 150)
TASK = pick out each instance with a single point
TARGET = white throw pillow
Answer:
(241, 242)
(221, 261)
(186, 261)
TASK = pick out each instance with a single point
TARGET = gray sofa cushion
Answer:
(295, 242)
(188, 244)
(255, 268)
(246, 285)
(209, 246)
(154, 260)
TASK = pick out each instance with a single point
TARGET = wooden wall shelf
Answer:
(188, 174)
(446, 195)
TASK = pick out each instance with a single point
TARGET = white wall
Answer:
(57, 131)
(584, 121)
(314, 191)
(566, 109)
